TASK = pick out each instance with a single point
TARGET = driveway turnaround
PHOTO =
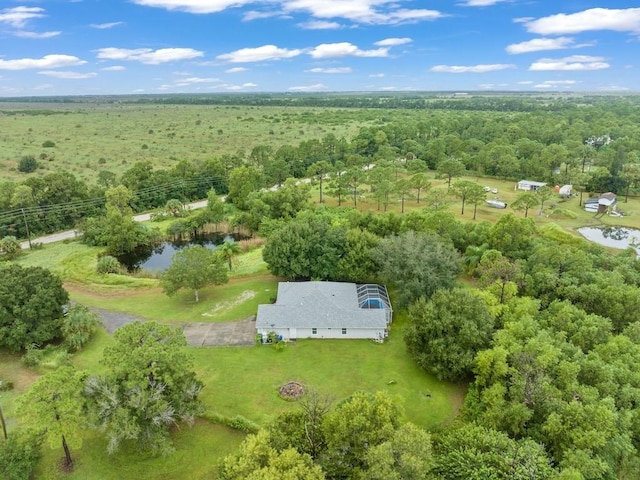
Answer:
(198, 334)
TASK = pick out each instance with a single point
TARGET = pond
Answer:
(616, 237)
(158, 259)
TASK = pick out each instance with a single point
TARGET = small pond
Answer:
(616, 237)
(159, 258)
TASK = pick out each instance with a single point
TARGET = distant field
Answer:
(111, 136)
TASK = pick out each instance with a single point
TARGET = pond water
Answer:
(616, 237)
(159, 258)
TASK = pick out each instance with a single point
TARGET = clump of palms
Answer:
(229, 251)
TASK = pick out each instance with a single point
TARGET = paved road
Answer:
(71, 234)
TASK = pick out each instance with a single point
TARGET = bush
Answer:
(18, 456)
(48, 144)
(6, 386)
(78, 326)
(109, 264)
(10, 247)
(33, 356)
(28, 164)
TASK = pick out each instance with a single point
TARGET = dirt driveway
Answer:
(198, 334)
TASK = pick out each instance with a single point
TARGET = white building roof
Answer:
(320, 305)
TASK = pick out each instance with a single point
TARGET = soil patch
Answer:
(291, 390)
(243, 297)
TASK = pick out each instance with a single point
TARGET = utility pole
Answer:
(26, 225)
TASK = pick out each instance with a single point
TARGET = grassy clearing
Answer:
(198, 451)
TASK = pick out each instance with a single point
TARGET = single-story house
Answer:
(326, 310)
(605, 203)
(529, 185)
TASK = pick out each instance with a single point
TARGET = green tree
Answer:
(31, 300)
(242, 181)
(417, 264)
(361, 422)
(544, 193)
(174, 207)
(467, 190)
(10, 247)
(78, 325)
(355, 176)
(258, 460)
(319, 172)
(229, 251)
(420, 183)
(446, 332)
(450, 168)
(149, 387)
(358, 263)
(525, 201)
(28, 164)
(403, 188)
(54, 405)
(308, 247)
(406, 455)
(19, 455)
(512, 236)
(194, 267)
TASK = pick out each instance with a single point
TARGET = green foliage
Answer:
(450, 168)
(19, 455)
(194, 267)
(31, 302)
(54, 405)
(108, 264)
(447, 331)
(149, 387)
(78, 326)
(258, 460)
(28, 164)
(525, 201)
(10, 247)
(361, 422)
(305, 248)
(470, 452)
(512, 236)
(417, 264)
(48, 144)
(358, 263)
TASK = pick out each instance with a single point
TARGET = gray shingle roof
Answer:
(318, 305)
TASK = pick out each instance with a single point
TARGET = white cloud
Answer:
(195, 80)
(320, 25)
(344, 49)
(575, 62)
(67, 75)
(318, 87)
(254, 15)
(240, 87)
(472, 68)
(613, 88)
(542, 85)
(194, 6)
(556, 84)
(236, 70)
(377, 75)
(147, 55)
(393, 42)
(259, 54)
(525, 82)
(48, 61)
(480, 3)
(18, 17)
(330, 70)
(540, 44)
(105, 26)
(115, 68)
(25, 34)
(619, 20)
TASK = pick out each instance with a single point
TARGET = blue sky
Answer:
(99, 47)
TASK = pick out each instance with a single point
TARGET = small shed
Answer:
(605, 203)
(529, 185)
(565, 191)
(326, 310)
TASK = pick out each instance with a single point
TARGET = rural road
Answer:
(71, 234)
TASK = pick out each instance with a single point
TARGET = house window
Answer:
(314, 331)
(344, 331)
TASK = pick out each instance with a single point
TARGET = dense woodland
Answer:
(541, 325)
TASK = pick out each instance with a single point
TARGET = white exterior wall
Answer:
(352, 333)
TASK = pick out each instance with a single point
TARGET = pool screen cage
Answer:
(373, 296)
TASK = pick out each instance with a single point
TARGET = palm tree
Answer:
(228, 250)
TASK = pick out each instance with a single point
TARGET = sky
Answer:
(109, 47)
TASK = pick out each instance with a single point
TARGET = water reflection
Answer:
(616, 237)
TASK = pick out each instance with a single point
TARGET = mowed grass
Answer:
(199, 450)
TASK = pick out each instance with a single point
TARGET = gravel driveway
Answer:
(198, 334)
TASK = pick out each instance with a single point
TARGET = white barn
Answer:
(326, 310)
(529, 185)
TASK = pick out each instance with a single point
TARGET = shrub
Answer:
(109, 264)
(6, 386)
(48, 144)
(78, 326)
(28, 164)
(18, 456)
(10, 247)
(33, 356)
